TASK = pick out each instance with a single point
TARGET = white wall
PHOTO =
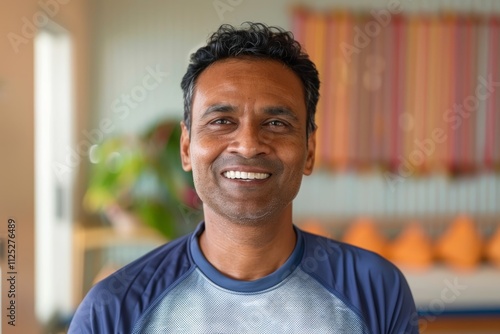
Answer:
(133, 35)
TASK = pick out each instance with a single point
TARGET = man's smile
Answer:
(231, 174)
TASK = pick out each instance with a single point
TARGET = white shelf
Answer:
(441, 289)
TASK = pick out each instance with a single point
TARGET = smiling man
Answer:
(248, 136)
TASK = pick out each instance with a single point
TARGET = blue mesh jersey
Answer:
(325, 286)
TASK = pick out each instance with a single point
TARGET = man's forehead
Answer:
(268, 76)
(233, 67)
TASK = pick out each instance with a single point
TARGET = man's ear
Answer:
(185, 152)
(311, 152)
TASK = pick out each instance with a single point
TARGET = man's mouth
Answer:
(231, 174)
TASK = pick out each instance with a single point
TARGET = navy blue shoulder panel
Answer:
(117, 302)
(368, 283)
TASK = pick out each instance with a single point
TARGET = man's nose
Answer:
(249, 141)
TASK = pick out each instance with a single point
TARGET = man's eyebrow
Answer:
(281, 111)
(271, 111)
(222, 107)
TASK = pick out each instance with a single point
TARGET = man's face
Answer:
(248, 147)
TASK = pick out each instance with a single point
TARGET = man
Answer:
(248, 136)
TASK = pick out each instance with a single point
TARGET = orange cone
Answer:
(412, 249)
(363, 233)
(493, 248)
(460, 245)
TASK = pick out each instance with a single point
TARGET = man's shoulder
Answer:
(349, 271)
(320, 247)
(368, 283)
(165, 263)
(124, 295)
(342, 255)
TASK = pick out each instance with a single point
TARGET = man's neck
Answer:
(247, 252)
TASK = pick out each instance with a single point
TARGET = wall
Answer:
(16, 147)
(132, 36)
(17, 135)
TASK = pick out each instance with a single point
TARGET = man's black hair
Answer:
(259, 41)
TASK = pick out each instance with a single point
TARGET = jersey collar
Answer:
(260, 284)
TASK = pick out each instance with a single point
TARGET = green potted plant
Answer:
(139, 179)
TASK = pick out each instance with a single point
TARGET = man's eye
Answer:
(221, 121)
(276, 123)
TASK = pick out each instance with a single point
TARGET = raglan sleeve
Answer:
(384, 296)
(401, 314)
(97, 313)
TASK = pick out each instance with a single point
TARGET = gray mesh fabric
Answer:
(299, 304)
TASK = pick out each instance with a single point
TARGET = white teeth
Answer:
(245, 175)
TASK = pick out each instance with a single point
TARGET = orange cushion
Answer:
(412, 248)
(493, 248)
(460, 245)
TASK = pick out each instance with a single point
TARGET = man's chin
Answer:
(251, 217)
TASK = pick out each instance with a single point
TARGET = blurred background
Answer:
(408, 161)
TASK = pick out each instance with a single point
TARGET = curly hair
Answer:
(259, 41)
